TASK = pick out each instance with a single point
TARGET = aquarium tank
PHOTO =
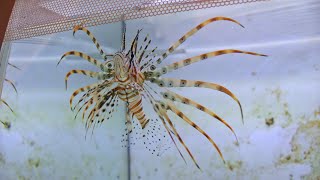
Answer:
(161, 89)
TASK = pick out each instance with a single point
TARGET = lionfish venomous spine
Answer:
(129, 74)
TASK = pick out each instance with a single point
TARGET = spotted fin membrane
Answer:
(154, 137)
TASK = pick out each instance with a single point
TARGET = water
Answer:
(279, 94)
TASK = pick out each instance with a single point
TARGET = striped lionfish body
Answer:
(129, 76)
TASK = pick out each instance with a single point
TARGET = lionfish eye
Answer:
(162, 105)
(152, 67)
(109, 65)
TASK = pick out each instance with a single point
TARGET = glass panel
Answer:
(44, 139)
(279, 94)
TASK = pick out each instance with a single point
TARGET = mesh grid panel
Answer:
(40, 17)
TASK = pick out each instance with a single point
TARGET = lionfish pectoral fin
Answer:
(83, 72)
(94, 112)
(79, 27)
(14, 66)
(180, 64)
(169, 132)
(83, 56)
(160, 111)
(179, 113)
(82, 89)
(180, 139)
(86, 109)
(83, 98)
(4, 102)
(91, 36)
(171, 82)
(97, 111)
(170, 95)
(12, 84)
(193, 31)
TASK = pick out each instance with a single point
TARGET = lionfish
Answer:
(4, 123)
(128, 76)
